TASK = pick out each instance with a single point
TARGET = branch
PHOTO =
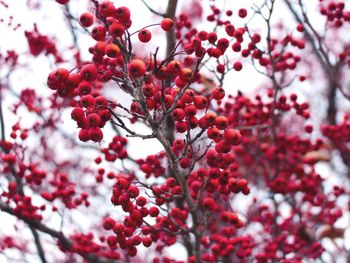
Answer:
(152, 10)
(38, 244)
(170, 35)
(67, 243)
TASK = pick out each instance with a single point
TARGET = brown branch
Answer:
(170, 35)
(66, 242)
(151, 9)
(69, 18)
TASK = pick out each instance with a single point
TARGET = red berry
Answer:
(147, 241)
(209, 203)
(86, 19)
(133, 191)
(232, 136)
(153, 211)
(112, 50)
(136, 68)
(167, 24)
(237, 66)
(242, 13)
(145, 35)
(116, 30)
(122, 14)
(84, 135)
(221, 122)
(77, 114)
(112, 241)
(94, 120)
(218, 93)
(108, 223)
(62, 2)
(98, 33)
(141, 201)
(89, 72)
(200, 101)
(95, 134)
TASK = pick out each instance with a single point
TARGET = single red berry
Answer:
(112, 241)
(94, 119)
(116, 30)
(141, 201)
(95, 134)
(218, 93)
(200, 101)
(108, 223)
(232, 136)
(89, 72)
(147, 241)
(98, 33)
(145, 35)
(84, 135)
(133, 191)
(86, 19)
(209, 203)
(153, 211)
(77, 114)
(242, 12)
(221, 122)
(230, 30)
(213, 133)
(122, 14)
(136, 68)
(62, 2)
(112, 50)
(167, 24)
(300, 27)
(237, 66)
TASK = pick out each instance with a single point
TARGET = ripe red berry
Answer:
(77, 114)
(209, 203)
(167, 24)
(218, 93)
(153, 211)
(230, 30)
(185, 163)
(84, 88)
(95, 134)
(94, 120)
(62, 2)
(141, 201)
(178, 114)
(221, 122)
(112, 241)
(213, 133)
(136, 68)
(116, 30)
(147, 241)
(86, 19)
(200, 101)
(223, 147)
(145, 35)
(84, 135)
(112, 50)
(237, 66)
(108, 223)
(133, 191)
(242, 13)
(300, 27)
(232, 136)
(98, 33)
(89, 72)
(122, 14)
(87, 101)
